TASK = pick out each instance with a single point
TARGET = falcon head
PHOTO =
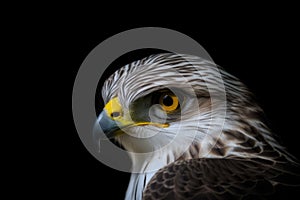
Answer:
(182, 106)
(171, 112)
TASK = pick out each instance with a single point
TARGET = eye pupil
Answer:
(167, 100)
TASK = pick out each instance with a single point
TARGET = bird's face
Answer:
(151, 105)
(171, 106)
(157, 109)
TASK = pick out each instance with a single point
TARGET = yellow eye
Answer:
(169, 102)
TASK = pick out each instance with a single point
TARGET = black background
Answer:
(260, 47)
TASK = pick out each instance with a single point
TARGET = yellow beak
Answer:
(113, 118)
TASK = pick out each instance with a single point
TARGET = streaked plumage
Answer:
(213, 156)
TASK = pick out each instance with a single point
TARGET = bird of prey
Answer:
(203, 134)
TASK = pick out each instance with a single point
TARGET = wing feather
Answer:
(234, 178)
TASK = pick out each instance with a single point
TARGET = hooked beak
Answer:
(112, 119)
(108, 126)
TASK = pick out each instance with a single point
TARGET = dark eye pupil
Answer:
(167, 100)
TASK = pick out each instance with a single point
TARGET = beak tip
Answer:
(107, 125)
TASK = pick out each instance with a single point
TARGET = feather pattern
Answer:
(226, 178)
(211, 156)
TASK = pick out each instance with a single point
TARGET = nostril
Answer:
(115, 114)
